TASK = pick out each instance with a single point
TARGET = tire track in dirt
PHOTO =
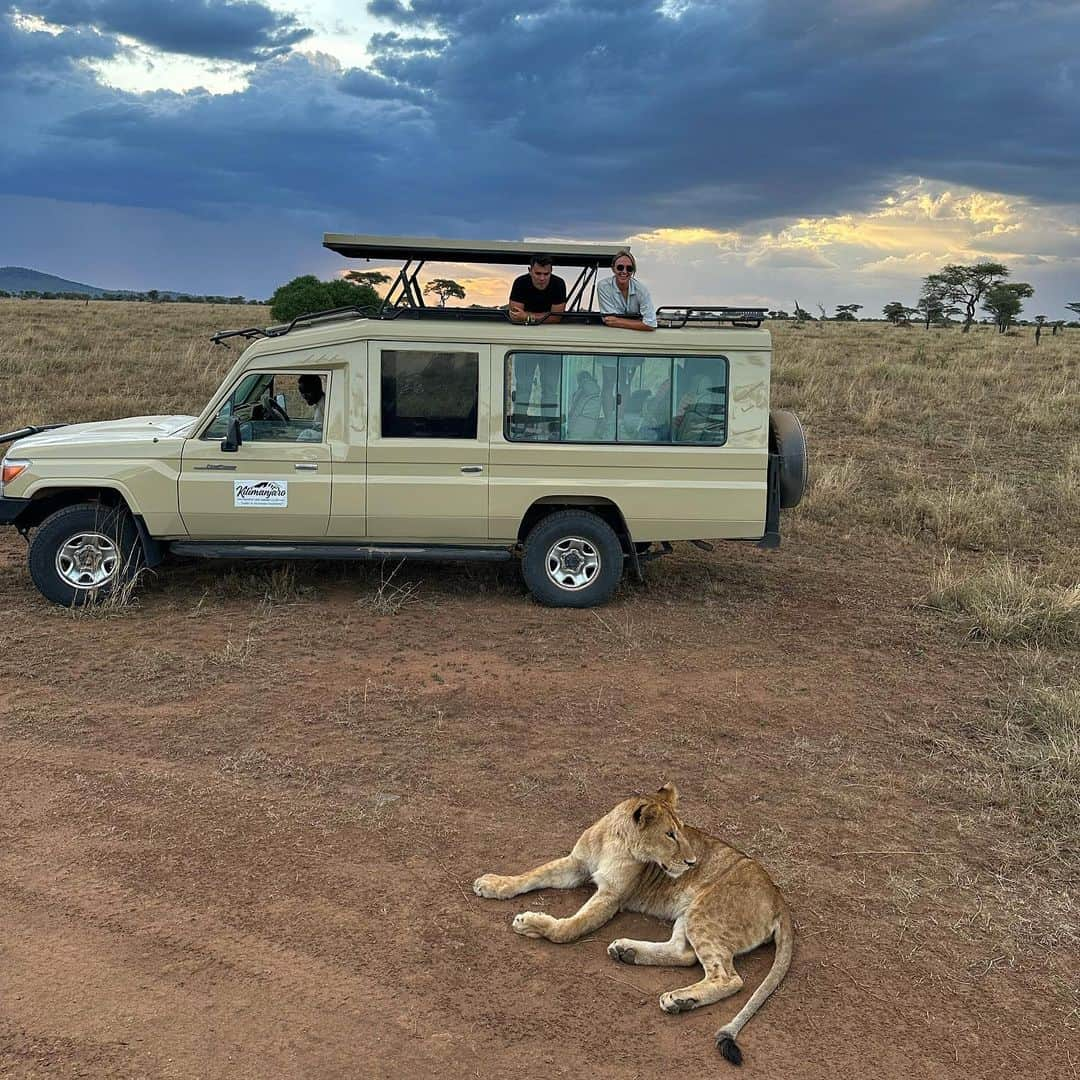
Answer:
(250, 991)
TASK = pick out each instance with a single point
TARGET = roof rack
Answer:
(675, 317)
(283, 328)
(414, 251)
(667, 318)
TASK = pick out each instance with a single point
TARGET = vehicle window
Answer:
(429, 395)
(573, 397)
(644, 399)
(700, 397)
(281, 407)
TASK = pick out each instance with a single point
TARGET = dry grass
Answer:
(390, 594)
(66, 361)
(1021, 754)
(982, 514)
(1001, 602)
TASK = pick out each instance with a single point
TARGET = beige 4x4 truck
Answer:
(440, 434)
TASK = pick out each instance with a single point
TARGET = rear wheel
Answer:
(572, 559)
(84, 554)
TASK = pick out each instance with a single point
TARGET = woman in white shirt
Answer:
(624, 301)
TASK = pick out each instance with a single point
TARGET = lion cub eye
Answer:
(671, 836)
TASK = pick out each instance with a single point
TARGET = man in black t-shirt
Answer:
(538, 293)
(537, 297)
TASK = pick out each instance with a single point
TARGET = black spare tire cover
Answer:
(788, 441)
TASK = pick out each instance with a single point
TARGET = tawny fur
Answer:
(641, 857)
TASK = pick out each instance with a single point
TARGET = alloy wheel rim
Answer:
(572, 563)
(88, 560)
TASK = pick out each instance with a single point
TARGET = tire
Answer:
(85, 554)
(788, 442)
(572, 559)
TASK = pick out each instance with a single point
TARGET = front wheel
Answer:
(572, 559)
(84, 554)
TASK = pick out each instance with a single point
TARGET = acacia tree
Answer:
(965, 285)
(898, 314)
(847, 312)
(1075, 307)
(370, 278)
(934, 301)
(445, 288)
(1004, 302)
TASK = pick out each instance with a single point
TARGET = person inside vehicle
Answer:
(310, 388)
(694, 419)
(624, 301)
(583, 415)
(656, 414)
(539, 295)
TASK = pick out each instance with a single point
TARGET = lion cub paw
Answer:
(493, 887)
(622, 950)
(677, 1001)
(532, 923)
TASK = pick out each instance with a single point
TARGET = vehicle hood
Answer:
(105, 433)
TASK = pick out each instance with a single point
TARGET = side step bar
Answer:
(272, 550)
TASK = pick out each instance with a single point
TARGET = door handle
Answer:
(472, 468)
(306, 466)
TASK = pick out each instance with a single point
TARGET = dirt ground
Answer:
(239, 824)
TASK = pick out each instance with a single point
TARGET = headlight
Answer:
(9, 470)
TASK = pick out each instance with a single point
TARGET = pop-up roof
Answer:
(405, 291)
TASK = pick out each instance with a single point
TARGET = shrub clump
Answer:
(1004, 603)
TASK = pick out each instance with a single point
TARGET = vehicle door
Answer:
(427, 452)
(276, 484)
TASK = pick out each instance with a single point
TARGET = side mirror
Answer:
(232, 441)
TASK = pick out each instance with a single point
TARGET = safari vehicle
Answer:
(430, 433)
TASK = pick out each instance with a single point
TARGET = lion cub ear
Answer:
(669, 794)
(644, 813)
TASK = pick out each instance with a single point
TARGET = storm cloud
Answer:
(240, 30)
(505, 118)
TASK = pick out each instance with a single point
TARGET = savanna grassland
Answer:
(239, 816)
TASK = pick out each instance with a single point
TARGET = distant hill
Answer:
(20, 279)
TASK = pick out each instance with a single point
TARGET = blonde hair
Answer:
(624, 252)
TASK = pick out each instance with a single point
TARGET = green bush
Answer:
(308, 293)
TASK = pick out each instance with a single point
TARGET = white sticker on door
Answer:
(260, 493)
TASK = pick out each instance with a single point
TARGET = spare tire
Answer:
(787, 441)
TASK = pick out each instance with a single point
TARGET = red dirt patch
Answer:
(237, 835)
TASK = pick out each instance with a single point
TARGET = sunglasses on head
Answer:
(624, 268)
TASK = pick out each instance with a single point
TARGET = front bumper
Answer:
(12, 509)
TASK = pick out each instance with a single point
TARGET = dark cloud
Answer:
(240, 30)
(360, 83)
(598, 118)
(37, 56)
(393, 42)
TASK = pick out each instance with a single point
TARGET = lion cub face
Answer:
(658, 834)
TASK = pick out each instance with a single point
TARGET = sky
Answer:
(750, 151)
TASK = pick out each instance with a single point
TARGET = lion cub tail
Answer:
(784, 938)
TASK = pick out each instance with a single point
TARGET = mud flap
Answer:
(771, 539)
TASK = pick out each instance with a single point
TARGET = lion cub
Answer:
(641, 857)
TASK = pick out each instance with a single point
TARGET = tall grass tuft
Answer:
(982, 514)
(1001, 602)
